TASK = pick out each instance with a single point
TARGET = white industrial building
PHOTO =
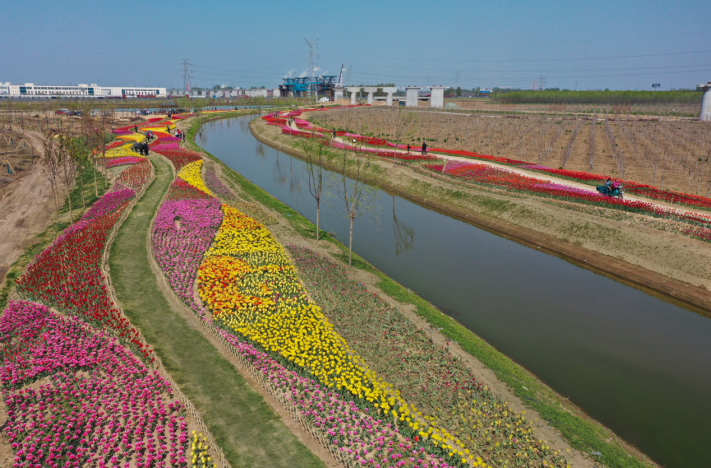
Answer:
(32, 91)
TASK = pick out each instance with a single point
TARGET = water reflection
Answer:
(404, 235)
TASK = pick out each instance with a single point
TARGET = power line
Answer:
(527, 71)
(615, 40)
(520, 60)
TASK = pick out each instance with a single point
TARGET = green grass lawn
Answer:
(246, 428)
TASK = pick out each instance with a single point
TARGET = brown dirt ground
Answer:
(446, 126)
(26, 208)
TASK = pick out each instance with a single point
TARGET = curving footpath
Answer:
(245, 427)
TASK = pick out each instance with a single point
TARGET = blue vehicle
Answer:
(610, 190)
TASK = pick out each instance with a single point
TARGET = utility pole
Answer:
(312, 65)
(456, 80)
(541, 83)
(186, 75)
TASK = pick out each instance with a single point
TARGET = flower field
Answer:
(180, 189)
(132, 137)
(96, 404)
(81, 388)
(178, 157)
(426, 374)
(67, 274)
(247, 280)
(190, 173)
(217, 187)
(123, 151)
(121, 161)
(136, 175)
(182, 232)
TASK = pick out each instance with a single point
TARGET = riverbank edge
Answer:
(582, 432)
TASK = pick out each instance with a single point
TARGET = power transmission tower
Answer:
(541, 83)
(456, 79)
(186, 75)
(312, 65)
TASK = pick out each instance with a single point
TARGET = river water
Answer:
(639, 365)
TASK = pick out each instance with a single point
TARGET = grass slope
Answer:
(580, 432)
(245, 427)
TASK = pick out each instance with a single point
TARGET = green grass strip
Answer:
(582, 434)
(246, 428)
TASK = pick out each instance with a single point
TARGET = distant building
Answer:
(32, 91)
(322, 85)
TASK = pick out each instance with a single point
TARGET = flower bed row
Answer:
(248, 282)
(67, 274)
(136, 175)
(483, 174)
(499, 177)
(121, 161)
(95, 405)
(637, 188)
(218, 188)
(427, 375)
(182, 232)
(178, 157)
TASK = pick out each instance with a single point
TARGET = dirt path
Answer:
(245, 427)
(26, 208)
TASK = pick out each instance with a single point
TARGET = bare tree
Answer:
(592, 142)
(51, 162)
(314, 172)
(404, 234)
(404, 126)
(68, 172)
(569, 147)
(93, 133)
(357, 196)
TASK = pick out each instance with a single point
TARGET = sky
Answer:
(573, 45)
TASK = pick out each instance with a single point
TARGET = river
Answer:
(639, 365)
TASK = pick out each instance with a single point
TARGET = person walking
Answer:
(182, 136)
(408, 149)
(424, 148)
